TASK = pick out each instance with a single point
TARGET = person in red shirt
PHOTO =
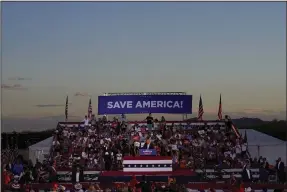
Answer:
(133, 182)
(240, 188)
(6, 177)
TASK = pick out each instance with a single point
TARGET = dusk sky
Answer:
(54, 49)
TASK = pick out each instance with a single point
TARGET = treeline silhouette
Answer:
(274, 128)
(23, 140)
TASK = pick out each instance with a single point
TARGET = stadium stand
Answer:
(93, 152)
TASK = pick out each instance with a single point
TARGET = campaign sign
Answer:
(133, 104)
(147, 152)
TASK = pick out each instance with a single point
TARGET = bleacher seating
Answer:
(203, 147)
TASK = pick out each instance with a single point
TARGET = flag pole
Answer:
(66, 109)
(200, 110)
(219, 114)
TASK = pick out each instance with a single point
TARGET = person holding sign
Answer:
(149, 122)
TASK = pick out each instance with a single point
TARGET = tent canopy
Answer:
(257, 138)
(261, 144)
(39, 150)
(45, 144)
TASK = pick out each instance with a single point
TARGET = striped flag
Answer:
(235, 130)
(90, 110)
(220, 110)
(147, 164)
(200, 109)
(230, 125)
(66, 108)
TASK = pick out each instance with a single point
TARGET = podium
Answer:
(147, 152)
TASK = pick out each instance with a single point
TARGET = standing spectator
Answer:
(280, 170)
(77, 175)
(17, 168)
(246, 173)
(123, 118)
(86, 120)
(107, 159)
(93, 120)
(149, 121)
(6, 175)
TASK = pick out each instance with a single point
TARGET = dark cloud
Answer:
(79, 94)
(51, 105)
(20, 78)
(13, 87)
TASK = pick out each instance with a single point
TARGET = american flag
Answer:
(90, 110)
(66, 108)
(220, 110)
(147, 164)
(200, 109)
(235, 131)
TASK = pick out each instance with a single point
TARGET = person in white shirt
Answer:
(78, 187)
(92, 131)
(56, 142)
(65, 132)
(155, 125)
(119, 158)
(84, 155)
(243, 149)
(123, 118)
(246, 173)
(238, 149)
(86, 121)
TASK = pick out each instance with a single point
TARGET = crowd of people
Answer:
(99, 144)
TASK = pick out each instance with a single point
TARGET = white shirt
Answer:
(119, 156)
(155, 125)
(86, 121)
(279, 165)
(78, 177)
(85, 139)
(233, 155)
(244, 147)
(174, 147)
(137, 144)
(238, 149)
(65, 133)
(147, 146)
(159, 136)
(56, 143)
(91, 131)
(248, 173)
(84, 155)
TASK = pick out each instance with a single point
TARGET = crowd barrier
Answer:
(65, 175)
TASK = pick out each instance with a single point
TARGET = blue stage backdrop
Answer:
(133, 104)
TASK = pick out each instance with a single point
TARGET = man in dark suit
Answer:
(280, 168)
(108, 159)
(148, 144)
(246, 173)
(77, 175)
